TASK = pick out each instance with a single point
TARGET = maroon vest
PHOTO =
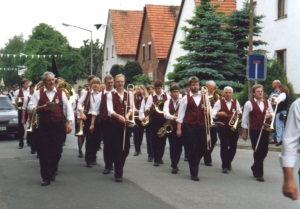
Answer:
(138, 98)
(193, 114)
(56, 115)
(230, 112)
(103, 106)
(119, 105)
(256, 117)
(155, 115)
(173, 111)
(21, 95)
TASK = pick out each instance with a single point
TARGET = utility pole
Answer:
(250, 44)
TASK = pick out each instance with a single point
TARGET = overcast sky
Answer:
(21, 16)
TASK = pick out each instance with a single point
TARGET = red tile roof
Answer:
(162, 21)
(226, 6)
(126, 30)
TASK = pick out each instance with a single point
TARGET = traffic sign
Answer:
(256, 67)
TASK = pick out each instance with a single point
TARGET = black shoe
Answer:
(119, 179)
(53, 177)
(21, 145)
(195, 178)
(80, 155)
(175, 170)
(261, 179)
(186, 159)
(106, 171)
(208, 164)
(161, 162)
(94, 163)
(136, 153)
(229, 168)
(225, 170)
(32, 152)
(150, 159)
(156, 164)
(45, 183)
(89, 165)
(278, 144)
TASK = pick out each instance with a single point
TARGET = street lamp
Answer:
(68, 25)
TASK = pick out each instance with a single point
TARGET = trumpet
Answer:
(234, 120)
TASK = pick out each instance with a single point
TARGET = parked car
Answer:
(8, 117)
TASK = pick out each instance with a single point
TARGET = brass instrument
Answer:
(270, 127)
(19, 103)
(166, 128)
(264, 126)
(68, 89)
(234, 120)
(207, 115)
(81, 125)
(158, 107)
(34, 122)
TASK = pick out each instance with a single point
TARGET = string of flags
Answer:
(8, 68)
(28, 56)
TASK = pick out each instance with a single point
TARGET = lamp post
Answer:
(91, 43)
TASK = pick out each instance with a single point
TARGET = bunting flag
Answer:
(8, 68)
(27, 56)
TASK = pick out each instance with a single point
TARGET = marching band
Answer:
(114, 112)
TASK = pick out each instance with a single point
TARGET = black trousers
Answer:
(195, 136)
(119, 154)
(228, 141)
(213, 136)
(49, 146)
(91, 139)
(176, 144)
(158, 144)
(21, 128)
(261, 152)
(107, 142)
(138, 136)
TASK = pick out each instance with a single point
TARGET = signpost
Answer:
(256, 67)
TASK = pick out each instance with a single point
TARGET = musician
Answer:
(211, 86)
(91, 125)
(171, 107)
(156, 122)
(55, 119)
(186, 91)
(223, 110)
(82, 108)
(149, 137)
(117, 103)
(275, 92)
(22, 94)
(289, 156)
(191, 123)
(139, 129)
(257, 111)
(105, 124)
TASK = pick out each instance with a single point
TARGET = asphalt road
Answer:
(143, 186)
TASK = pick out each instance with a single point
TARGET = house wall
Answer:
(281, 34)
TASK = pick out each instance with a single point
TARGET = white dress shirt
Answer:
(183, 105)
(248, 108)
(67, 107)
(110, 106)
(217, 107)
(291, 137)
(160, 97)
(167, 110)
(142, 110)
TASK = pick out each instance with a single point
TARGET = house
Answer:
(156, 35)
(121, 38)
(280, 31)
(186, 12)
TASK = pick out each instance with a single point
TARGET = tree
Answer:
(132, 69)
(142, 79)
(14, 46)
(45, 40)
(210, 50)
(116, 69)
(238, 26)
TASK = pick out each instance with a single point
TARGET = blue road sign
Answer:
(256, 67)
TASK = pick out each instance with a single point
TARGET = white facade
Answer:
(176, 50)
(110, 57)
(281, 34)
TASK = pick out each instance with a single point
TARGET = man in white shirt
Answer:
(289, 156)
(55, 119)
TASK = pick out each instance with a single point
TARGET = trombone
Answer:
(207, 115)
(264, 126)
(130, 122)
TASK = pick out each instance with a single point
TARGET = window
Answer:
(112, 51)
(150, 50)
(281, 57)
(107, 53)
(281, 9)
(144, 52)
